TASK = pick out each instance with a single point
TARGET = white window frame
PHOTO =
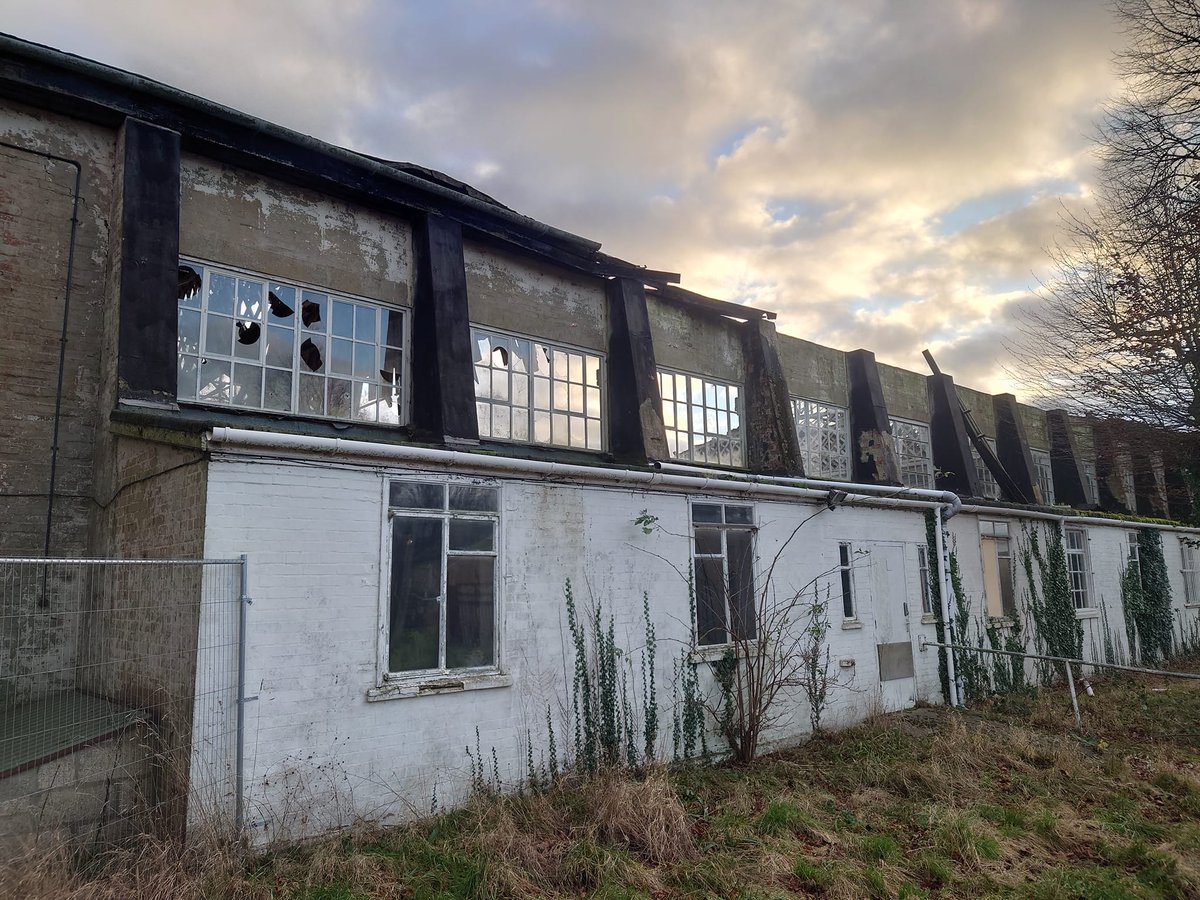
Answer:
(1091, 487)
(390, 513)
(681, 441)
(997, 534)
(846, 590)
(1190, 569)
(580, 397)
(1078, 564)
(749, 527)
(1043, 470)
(923, 574)
(909, 434)
(1134, 553)
(830, 425)
(988, 486)
(399, 398)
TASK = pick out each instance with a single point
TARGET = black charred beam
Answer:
(443, 377)
(635, 424)
(1070, 486)
(872, 447)
(148, 261)
(948, 435)
(1012, 448)
(768, 427)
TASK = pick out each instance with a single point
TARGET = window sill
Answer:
(424, 686)
(929, 619)
(851, 624)
(717, 652)
(1087, 613)
(1001, 621)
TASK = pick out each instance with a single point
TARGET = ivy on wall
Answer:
(1050, 604)
(1146, 594)
(935, 596)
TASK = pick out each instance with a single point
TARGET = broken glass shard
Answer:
(311, 355)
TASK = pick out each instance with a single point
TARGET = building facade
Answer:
(421, 415)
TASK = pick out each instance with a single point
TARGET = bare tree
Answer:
(1118, 332)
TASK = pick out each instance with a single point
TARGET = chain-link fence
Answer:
(119, 697)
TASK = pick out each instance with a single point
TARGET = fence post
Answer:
(240, 776)
(1074, 698)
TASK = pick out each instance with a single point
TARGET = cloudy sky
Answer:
(883, 174)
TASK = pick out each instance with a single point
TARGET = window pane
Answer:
(279, 390)
(468, 534)
(1006, 586)
(416, 495)
(708, 540)
(710, 602)
(741, 583)
(706, 512)
(470, 611)
(739, 515)
(189, 331)
(472, 498)
(415, 593)
(221, 290)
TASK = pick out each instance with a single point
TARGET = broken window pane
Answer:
(281, 301)
(191, 280)
(416, 587)
(214, 381)
(189, 331)
(312, 311)
(221, 290)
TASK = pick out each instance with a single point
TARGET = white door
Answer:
(893, 635)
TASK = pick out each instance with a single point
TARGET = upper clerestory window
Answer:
(251, 342)
(703, 418)
(537, 392)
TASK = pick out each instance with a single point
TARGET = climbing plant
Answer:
(1151, 616)
(935, 596)
(1050, 603)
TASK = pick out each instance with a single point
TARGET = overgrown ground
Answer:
(1003, 801)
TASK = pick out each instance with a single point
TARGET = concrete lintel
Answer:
(872, 447)
(768, 426)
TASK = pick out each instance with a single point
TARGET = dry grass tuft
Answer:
(645, 816)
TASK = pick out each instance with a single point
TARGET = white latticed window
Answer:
(1077, 566)
(538, 392)
(913, 453)
(987, 481)
(256, 343)
(1090, 486)
(703, 418)
(1045, 475)
(824, 435)
(1191, 571)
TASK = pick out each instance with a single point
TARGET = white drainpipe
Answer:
(458, 460)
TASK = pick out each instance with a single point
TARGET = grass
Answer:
(1004, 800)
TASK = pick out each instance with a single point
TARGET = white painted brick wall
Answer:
(318, 754)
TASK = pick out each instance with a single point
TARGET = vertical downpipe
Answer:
(244, 602)
(947, 616)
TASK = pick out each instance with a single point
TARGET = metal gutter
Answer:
(1076, 520)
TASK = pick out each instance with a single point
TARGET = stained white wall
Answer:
(319, 754)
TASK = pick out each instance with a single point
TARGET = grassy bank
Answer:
(1003, 800)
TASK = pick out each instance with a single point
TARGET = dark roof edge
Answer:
(41, 54)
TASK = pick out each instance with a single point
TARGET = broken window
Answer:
(255, 343)
(996, 551)
(1045, 475)
(703, 418)
(823, 431)
(913, 453)
(723, 561)
(536, 392)
(442, 556)
(988, 487)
